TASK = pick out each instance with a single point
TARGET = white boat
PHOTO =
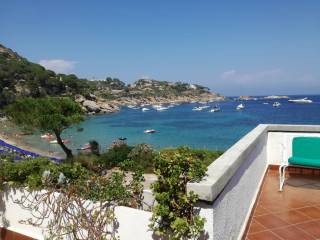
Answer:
(197, 109)
(215, 109)
(276, 104)
(150, 131)
(204, 107)
(203, 102)
(145, 109)
(65, 141)
(47, 136)
(240, 106)
(265, 103)
(302, 100)
(162, 109)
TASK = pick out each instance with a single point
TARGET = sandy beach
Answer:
(14, 139)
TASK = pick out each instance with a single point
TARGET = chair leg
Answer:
(282, 177)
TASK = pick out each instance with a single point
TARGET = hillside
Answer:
(22, 78)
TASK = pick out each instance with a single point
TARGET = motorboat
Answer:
(302, 100)
(133, 107)
(65, 141)
(197, 109)
(47, 136)
(148, 131)
(86, 146)
(215, 109)
(162, 109)
(145, 109)
(204, 107)
(240, 106)
(276, 104)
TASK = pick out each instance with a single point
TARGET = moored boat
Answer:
(149, 131)
(302, 100)
(240, 106)
(276, 104)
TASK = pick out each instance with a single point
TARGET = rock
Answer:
(79, 98)
(91, 106)
(91, 97)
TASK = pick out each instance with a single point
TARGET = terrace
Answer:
(239, 196)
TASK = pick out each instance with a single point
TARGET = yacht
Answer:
(303, 100)
(204, 107)
(240, 106)
(215, 109)
(162, 109)
(197, 109)
(150, 131)
(276, 104)
(145, 109)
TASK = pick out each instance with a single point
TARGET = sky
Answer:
(233, 47)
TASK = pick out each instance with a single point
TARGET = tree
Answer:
(52, 115)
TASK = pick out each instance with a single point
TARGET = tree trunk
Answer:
(63, 146)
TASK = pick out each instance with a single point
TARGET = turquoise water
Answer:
(182, 126)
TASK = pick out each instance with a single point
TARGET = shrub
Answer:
(115, 155)
(142, 156)
(175, 216)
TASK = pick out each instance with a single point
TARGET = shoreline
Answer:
(16, 141)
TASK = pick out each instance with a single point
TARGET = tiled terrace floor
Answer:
(291, 214)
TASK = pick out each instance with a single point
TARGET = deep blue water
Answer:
(182, 126)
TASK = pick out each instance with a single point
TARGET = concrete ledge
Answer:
(222, 170)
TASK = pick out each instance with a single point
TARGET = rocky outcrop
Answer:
(98, 105)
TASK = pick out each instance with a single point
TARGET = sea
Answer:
(181, 126)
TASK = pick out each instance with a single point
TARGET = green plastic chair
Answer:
(305, 152)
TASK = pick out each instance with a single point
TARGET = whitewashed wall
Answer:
(279, 147)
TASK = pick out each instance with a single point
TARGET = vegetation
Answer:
(20, 78)
(175, 214)
(110, 179)
(46, 114)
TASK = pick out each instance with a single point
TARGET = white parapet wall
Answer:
(279, 147)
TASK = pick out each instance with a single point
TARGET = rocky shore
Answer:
(96, 105)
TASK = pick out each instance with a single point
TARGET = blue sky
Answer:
(233, 47)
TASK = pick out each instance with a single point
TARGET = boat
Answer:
(86, 146)
(149, 131)
(265, 103)
(204, 107)
(240, 106)
(197, 109)
(276, 104)
(162, 109)
(145, 109)
(65, 141)
(47, 136)
(156, 106)
(302, 100)
(133, 107)
(203, 102)
(215, 109)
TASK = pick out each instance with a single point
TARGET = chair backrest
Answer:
(306, 147)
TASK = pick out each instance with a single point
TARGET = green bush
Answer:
(30, 172)
(141, 156)
(175, 216)
(115, 155)
(204, 155)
